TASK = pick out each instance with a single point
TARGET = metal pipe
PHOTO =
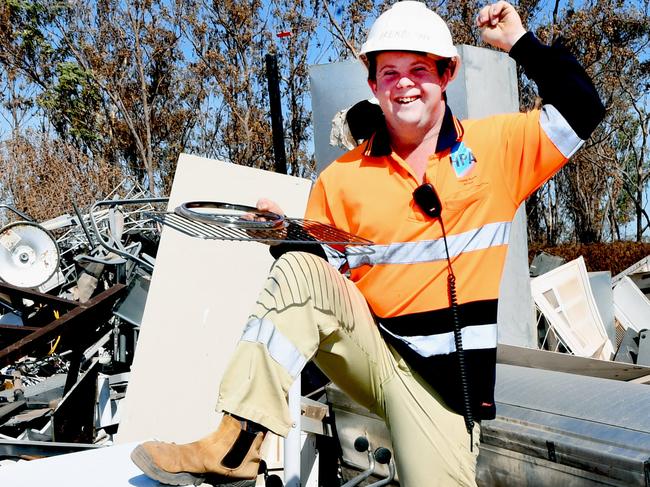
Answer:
(80, 217)
(106, 245)
(17, 212)
(277, 126)
(292, 444)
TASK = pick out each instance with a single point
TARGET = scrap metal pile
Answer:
(72, 293)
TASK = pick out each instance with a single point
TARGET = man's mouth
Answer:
(406, 99)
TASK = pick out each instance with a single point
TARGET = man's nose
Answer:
(404, 81)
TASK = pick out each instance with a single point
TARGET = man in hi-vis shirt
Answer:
(411, 334)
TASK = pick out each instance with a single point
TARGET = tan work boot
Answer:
(228, 455)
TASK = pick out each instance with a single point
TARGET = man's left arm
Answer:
(571, 106)
(560, 79)
(561, 82)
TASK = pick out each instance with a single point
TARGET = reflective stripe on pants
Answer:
(306, 311)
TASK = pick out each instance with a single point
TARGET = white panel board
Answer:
(486, 84)
(334, 87)
(565, 297)
(200, 296)
(601, 286)
(101, 467)
(631, 306)
(516, 313)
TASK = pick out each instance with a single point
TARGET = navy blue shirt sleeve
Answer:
(561, 82)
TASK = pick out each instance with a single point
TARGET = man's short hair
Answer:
(442, 64)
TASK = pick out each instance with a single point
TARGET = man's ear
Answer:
(373, 86)
(451, 72)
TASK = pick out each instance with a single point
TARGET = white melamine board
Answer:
(631, 306)
(100, 467)
(601, 286)
(201, 294)
(110, 466)
(565, 298)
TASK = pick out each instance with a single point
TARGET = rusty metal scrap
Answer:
(75, 319)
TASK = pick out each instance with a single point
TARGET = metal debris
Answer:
(67, 333)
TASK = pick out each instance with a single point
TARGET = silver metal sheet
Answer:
(334, 87)
(599, 426)
(589, 399)
(552, 428)
(562, 362)
(352, 421)
(504, 467)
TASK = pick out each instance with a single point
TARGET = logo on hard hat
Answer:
(404, 34)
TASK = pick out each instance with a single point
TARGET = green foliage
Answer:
(71, 102)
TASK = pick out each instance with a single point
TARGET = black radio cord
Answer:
(458, 341)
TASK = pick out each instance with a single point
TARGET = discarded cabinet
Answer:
(565, 298)
(631, 307)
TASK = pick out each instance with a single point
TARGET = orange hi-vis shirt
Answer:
(488, 170)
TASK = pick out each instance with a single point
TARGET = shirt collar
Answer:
(451, 131)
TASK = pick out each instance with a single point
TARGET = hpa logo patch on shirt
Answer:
(462, 159)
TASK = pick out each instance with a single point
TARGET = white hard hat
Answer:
(409, 26)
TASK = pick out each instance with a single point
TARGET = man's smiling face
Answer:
(409, 90)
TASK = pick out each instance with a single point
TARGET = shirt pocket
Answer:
(465, 198)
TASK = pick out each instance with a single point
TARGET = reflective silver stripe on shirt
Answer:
(474, 338)
(490, 235)
(559, 131)
(335, 258)
(280, 348)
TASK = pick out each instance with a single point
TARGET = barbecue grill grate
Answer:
(294, 230)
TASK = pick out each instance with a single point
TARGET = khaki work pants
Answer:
(307, 310)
